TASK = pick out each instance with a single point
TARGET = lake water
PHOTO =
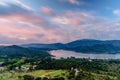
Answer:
(62, 53)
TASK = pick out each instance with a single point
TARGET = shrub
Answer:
(28, 77)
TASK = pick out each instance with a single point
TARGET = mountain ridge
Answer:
(83, 45)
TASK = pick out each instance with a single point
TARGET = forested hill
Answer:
(18, 52)
(84, 45)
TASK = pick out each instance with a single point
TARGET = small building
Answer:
(24, 68)
(2, 68)
(76, 71)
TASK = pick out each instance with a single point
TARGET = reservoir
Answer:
(64, 54)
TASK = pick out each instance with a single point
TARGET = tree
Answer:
(45, 78)
(38, 78)
(28, 77)
(58, 78)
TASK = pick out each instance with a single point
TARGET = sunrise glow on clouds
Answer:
(45, 21)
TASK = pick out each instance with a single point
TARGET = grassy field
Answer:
(12, 75)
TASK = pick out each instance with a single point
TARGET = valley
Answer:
(61, 61)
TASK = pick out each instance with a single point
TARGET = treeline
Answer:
(84, 64)
(65, 64)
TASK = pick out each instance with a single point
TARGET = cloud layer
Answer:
(20, 23)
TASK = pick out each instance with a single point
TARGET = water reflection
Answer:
(62, 53)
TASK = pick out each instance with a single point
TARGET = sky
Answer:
(51, 21)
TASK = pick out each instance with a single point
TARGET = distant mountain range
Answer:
(40, 50)
(84, 45)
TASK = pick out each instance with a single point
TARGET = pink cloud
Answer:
(47, 11)
(61, 20)
(24, 29)
(14, 30)
(75, 22)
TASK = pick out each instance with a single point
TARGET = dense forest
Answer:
(75, 69)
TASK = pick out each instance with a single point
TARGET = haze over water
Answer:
(62, 53)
